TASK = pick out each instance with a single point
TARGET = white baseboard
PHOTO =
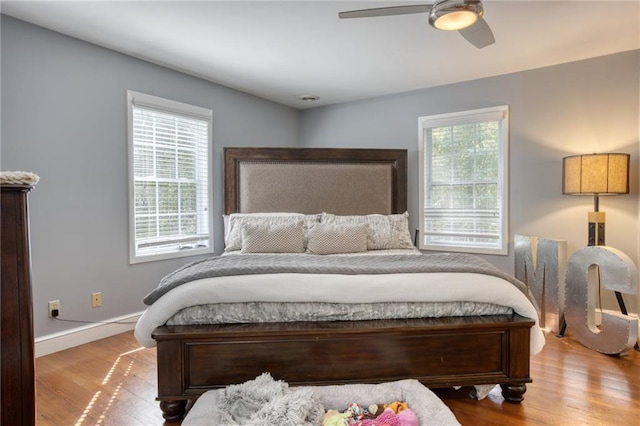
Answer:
(56, 342)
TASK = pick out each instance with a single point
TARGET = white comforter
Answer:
(411, 287)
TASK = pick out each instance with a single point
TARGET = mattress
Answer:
(343, 289)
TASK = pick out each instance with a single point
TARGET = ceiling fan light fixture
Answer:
(453, 15)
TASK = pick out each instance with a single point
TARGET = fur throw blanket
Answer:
(18, 178)
(266, 402)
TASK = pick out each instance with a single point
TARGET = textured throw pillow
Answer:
(386, 232)
(334, 239)
(287, 238)
(236, 221)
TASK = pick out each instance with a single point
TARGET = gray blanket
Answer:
(267, 402)
(219, 266)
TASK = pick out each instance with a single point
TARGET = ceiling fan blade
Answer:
(479, 34)
(385, 11)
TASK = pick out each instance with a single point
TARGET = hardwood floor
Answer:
(113, 382)
(572, 385)
(108, 382)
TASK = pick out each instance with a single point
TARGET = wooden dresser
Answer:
(16, 312)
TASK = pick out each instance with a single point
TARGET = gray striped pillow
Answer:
(386, 232)
(285, 238)
(334, 239)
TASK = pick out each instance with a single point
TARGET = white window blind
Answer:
(169, 145)
(463, 184)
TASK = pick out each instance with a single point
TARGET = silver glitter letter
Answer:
(540, 264)
(616, 272)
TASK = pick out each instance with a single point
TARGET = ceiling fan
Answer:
(465, 16)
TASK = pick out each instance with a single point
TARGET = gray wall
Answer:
(576, 108)
(64, 118)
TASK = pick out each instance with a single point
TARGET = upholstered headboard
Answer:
(313, 180)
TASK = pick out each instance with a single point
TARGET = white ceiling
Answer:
(280, 50)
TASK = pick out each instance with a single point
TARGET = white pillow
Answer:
(233, 237)
(385, 231)
(286, 238)
(333, 239)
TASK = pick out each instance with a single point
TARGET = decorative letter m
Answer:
(540, 264)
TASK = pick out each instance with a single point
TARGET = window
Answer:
(463, 181)
(169, 179)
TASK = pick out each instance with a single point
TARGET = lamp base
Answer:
(596, 228)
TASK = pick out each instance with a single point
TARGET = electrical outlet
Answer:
(54, 304)
(96, 300)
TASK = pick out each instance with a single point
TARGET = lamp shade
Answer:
(599, 174)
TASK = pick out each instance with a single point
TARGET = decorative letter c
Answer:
(617, 272)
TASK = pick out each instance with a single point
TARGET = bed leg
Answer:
(513, 393)
(173, 411)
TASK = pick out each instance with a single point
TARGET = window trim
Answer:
(177, 108)
(497, 113)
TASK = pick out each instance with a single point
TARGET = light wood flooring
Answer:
(113, 382)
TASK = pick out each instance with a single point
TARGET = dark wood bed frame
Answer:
(443, 352)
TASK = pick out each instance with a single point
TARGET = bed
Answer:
(491, 344)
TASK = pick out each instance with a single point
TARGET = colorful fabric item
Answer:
(396, 413)
(397, 406)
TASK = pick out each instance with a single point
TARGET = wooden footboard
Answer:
(442, 352)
